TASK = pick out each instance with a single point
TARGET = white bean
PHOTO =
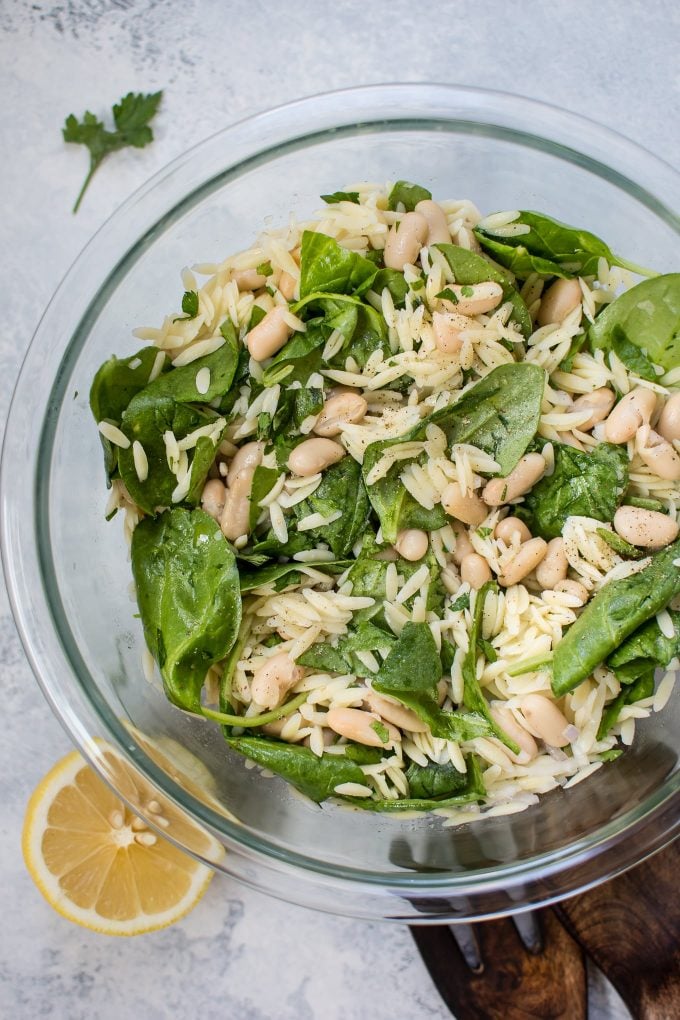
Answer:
(668, 425)
(599, 402)
(474, 299)
(527, 559)
(645, 528)
(235, 519)
(511, 527)
(463, 546)
(558, 301)
(438, 228)
(658, 454)
(248, 279)
(362, 727)
(314, 455)
(463, 506)
(273, 680)
(340, 409)
(393, 712)
(545, 719)
(412, 544)
(632, 411)
(405, 240)
(270, 334)
(523, 476)
(507, 722)
(475, 570)
(287, 286)
(212, 498)
(553, 568)
(447, 328)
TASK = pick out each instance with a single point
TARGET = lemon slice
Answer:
(97, 863)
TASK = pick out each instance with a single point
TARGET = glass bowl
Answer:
(67, 569)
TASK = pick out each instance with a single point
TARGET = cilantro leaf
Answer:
(131, 117)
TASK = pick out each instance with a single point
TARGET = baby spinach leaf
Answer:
(363, 328)
(571, 248)
(117, 381)
(363, 755)
(470, 268)
(341, 490)
(395, 283)
(499, 414)
(368, 577)
(433, 781)
(582, 484)
(647, 316)
(473, 696)
(518, 260)
(341, 196)
(617, 610)
(408, 195)
(473, 790)
(146, 420)
(299, 358)
(289, 573)
(188, 594)
(366, 638)
(642, 687)
(646, 648)
(264, 480)
(327, 266)
(410, 674)
(294, 406)
(323, 658)
(634, 358)
(180, 383)
(619, 545)
(315, 777)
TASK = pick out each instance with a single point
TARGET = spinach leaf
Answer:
(324, 658)
(368, 577)
(582, 484)
(518, 260)
(646, 648)
(264, 480)
(363, 328)
(618, 609)
(433, 781)
(299, 358)
(188, 595)
(273, 573)
(647, 316)
(294, 406)
(499, 414)
(366, 638)
(395, 283)
(473, 696)
(327, 266)
(470, 268)
(117, 381)
(341, 490)
(410, 674)
(407, 194)
(577, 251)
(642, 687)
(634, 358)
(315, 777)
(341, 196)
(473, 790)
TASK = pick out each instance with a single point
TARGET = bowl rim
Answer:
(347, 109)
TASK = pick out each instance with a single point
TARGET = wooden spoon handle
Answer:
(631, 929)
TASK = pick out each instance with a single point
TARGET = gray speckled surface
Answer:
(240, 954)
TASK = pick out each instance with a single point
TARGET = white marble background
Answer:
(240, 954)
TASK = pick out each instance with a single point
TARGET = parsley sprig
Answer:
(131, 117)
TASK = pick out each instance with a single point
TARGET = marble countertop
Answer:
(240, 954)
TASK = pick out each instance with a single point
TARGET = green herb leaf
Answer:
(189, 306)
(188, 595)
(381, 731)
(341, 196)
(264, 269)
(462, 602)
(448, 295)
(131, 117)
